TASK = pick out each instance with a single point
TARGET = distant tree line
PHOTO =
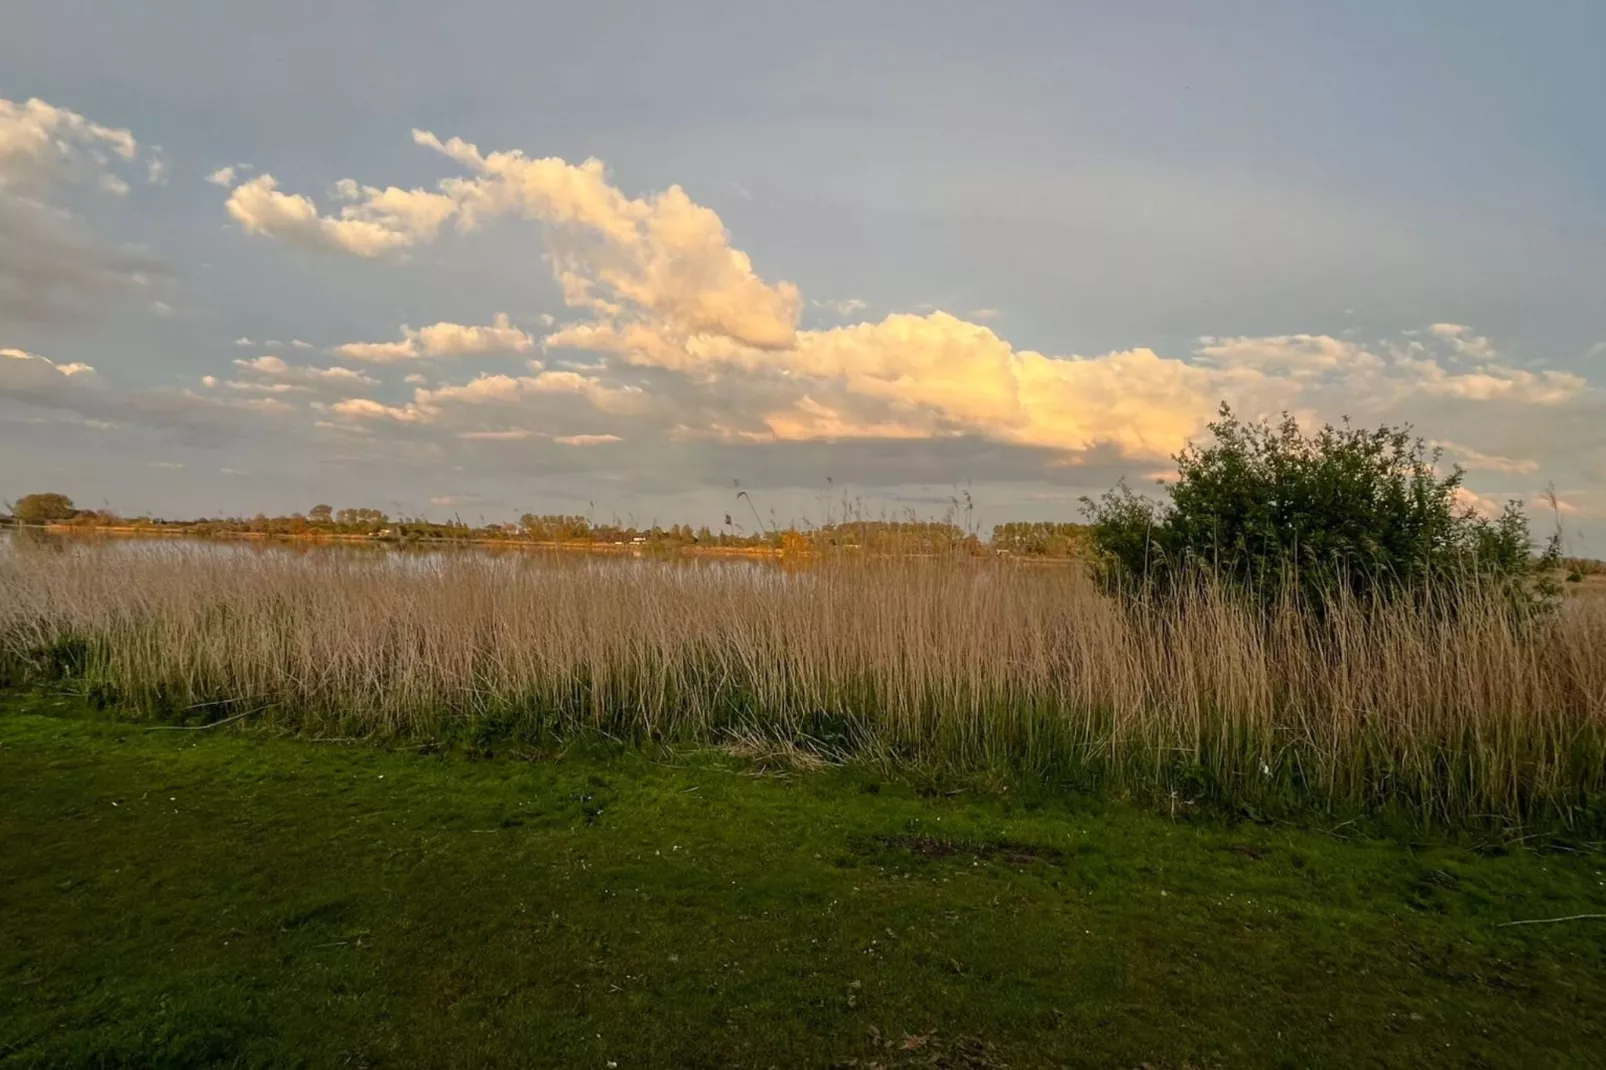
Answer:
(872, 536)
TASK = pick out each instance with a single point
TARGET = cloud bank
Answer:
(678, 337)
(50, 269)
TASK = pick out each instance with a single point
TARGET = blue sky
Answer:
(1032, 247)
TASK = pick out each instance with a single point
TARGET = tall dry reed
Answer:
(956, 663)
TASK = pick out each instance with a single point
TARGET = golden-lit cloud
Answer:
(270, 374)
(1477, 461)
(443, 340)
(378, 221)
(675, 330)
(78, 388)
(50, 268)
(586, 440)
(39, 143)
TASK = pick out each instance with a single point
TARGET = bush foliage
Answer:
(1263, 506)
(44, 508)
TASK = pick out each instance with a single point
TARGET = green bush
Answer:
(44, 508)
(1263, 506)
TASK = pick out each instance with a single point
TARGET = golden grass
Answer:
(962, 664)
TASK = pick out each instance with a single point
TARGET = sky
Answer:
(632, 260)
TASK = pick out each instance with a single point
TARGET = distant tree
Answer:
(321, 514)
(1266, 505)
(44, 508)
(1041, 538)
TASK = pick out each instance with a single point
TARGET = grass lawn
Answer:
(200, 898)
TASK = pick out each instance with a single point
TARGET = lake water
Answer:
(102, 548)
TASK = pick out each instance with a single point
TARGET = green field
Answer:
(224, 898)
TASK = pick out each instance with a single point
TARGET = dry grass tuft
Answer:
(767, 753)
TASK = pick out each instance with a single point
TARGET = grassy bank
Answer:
(210, 898)
(1459, 718)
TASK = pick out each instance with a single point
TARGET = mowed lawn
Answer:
(225, 898)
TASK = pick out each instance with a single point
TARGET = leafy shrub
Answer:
(44, 508)
(1266, 506)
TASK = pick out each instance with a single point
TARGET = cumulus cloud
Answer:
(40, 144)
(380, 221)
(509, 434)
(587, 440)
(452, 405)
(24, 371)
(269, 374)
(223, 176)
(677, 334)
(1483, 504)
(664, 255)
(34, 380)
(1477, 461)
(845, 307)
(1463, 341)
(1458, 365)
(443, 340)
(50, 269)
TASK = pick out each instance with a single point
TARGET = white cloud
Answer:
(1297, 355)
(367, 409)
(299, 344)
(382, 220)
(845, 307)
(1493, 382)
(511, 434)
(271, 372)
(662, 297)
(665, 255)
(31, 367)
(587, 440)
(379, 352)
(49, 269)
(1476, 460)
(1482, 504)
(1463, 341)
(223, 176)
(443, 340)
(449, 405)
(40, 143)
(35, 380)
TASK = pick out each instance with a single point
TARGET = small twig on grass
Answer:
(1547, 921)
(199, 727)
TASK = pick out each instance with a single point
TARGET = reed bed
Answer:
(1457, 717)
